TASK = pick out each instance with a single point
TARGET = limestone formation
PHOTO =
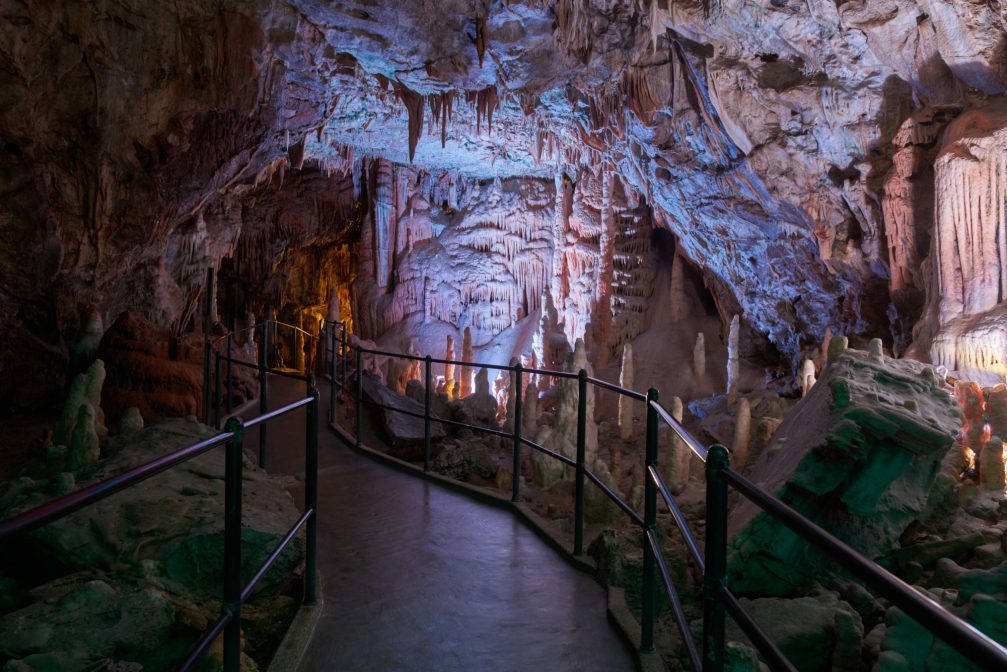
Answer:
(130, 421)
(807, 377)
(823, 356)
(819, 464)
(837, 344)
(529, 412)
(678, 306)
(742, 434)
(699, 360)
(465, 372)
(332, 315)
(449, 369)
(84, 445)
(562, 435)
(678, 456)
(875, 350)
(991, 467)
(732, 360)
(626, 404)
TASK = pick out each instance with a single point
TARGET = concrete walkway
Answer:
(421, 578)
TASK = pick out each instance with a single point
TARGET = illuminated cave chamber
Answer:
(789, 217)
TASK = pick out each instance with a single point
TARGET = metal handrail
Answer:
(694, 445)
(229, 621)
(718, 599)
(74, 501)
(962, 636)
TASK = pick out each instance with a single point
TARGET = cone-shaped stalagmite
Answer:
(991, 469)
(699, 359)
(732, 359)
(807, 379)
(449, 369)
(742, 434)
(529, 413)
(679, 457)
(84, 444)
(465, 372)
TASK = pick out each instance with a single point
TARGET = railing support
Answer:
(426, 412)
(232, 545)
(207, 356)
(216, 389)
(578, 506)
(333, 387)
(360, 396)
(650, 525)
(342, 354)
(515, 495)
(263, 397)
(311, 493)
(715, 577)
(230, 376)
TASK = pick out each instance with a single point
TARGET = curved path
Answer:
(421, 578)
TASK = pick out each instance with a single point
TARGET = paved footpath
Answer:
(422, 579)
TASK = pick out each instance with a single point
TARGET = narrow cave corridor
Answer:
(566, 258)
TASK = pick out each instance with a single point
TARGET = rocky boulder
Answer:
(399, 429)
(858, 456)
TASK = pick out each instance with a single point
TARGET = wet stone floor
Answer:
(421, 578)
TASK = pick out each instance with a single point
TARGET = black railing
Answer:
(234, 595)
(711, 562)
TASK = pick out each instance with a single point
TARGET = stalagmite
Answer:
(449, 369)
(699, 360)
(875, 350)
(625, 416)
(678, 304)
(991, 469)
(679, 457)
(742, 434)
(465, 371)
(529, 413)
(837, 345)
(299, 343)
(732, 359)
(84, 445)
(823, 351)
(807, 377)
(332, 315)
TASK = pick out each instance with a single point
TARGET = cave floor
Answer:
(420, 578)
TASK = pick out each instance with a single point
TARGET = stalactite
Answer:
(414, 103)
(480, 38)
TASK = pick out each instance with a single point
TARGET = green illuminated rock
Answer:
(859, 456)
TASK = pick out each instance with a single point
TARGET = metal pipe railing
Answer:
(717, 598)
(229, 622)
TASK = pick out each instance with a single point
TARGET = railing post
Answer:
(263, 400)
(232, 545)
(311, 494)
(578, 506)
(650, 527)
(360, 396)
(216, 388)
(333, 387)
(516, 473)
(207, 356)
(342, 354)
(714, 579)
(230, 377)
(427, 362)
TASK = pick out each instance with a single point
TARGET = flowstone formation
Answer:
(860, 456)
(132, 581)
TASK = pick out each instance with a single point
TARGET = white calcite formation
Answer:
(967, 313)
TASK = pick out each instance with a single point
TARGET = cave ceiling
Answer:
(761, 133)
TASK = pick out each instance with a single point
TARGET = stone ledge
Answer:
(291, 650)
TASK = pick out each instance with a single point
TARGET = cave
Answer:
(507, 260)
